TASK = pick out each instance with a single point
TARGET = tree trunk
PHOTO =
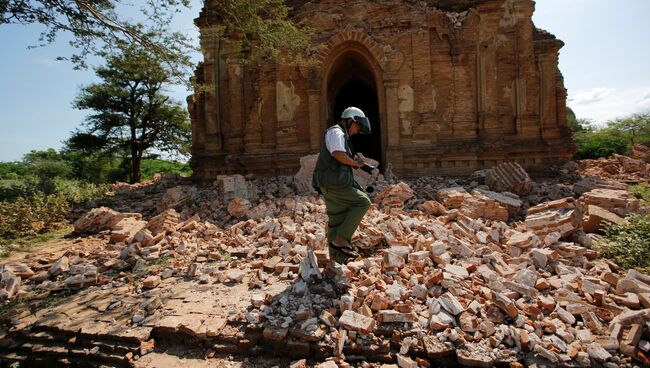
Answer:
(136, 159)
(135, 167)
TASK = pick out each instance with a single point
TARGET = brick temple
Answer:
(450, 87)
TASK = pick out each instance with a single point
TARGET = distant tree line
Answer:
(615, 136)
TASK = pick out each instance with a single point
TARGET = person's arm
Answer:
(343, 158)
(335, 141)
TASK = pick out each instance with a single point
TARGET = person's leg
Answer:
(336, 213)
(353, 204)
(338, 208)
(361, 203)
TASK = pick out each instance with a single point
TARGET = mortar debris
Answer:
(492, 269)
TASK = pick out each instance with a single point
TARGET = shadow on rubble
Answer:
(284, 326)
(299, 322)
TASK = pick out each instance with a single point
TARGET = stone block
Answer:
(21, 270)
(126, 229)
(233, 186)
(238, 207)
(62, 265)
(405, 362)
(595, 217)
(449, 302)
(559, 216)
(620, 202)
(394, 195)
(452, 198)
(395, 316)
(509, 177)
(434, 208)
(356, 322)
(597, 353)
(505, 304)
(177, 197)
(9, 285)
(99, 219)
(164, 223)
(274, 333)
(302, 179)
(151, 282)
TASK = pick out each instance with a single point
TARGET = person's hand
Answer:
(359, 162)
(367, 168)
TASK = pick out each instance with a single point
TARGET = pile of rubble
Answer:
(445, 273)
(618, 167)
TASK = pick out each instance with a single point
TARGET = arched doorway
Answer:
(352, 83)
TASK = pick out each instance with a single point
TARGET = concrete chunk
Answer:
(505, 304)
(356, 322)
(449, 302)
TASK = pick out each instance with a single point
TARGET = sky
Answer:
(604, 63)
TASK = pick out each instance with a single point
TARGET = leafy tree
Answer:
(131, 115)
(617, 136)
(571, 120)
(13, 170)
(599, 143)
(35, 155)
(47, 165)
(636, 126)
(94, 167)
(98, 28)
(152, 166)
(261, 27)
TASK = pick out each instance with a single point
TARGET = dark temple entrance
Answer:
(353, 85)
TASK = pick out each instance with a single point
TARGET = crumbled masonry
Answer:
(451, 269)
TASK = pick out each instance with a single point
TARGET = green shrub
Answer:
(628, 244)
(617, 136)
(79, 191)
(600, 143)
(28, 216)
(153, 166)
(94, 168)
(13, 170)
(641, 191)
(10, 189)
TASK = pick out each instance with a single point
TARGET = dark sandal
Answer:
(345, 250)
(340, 257)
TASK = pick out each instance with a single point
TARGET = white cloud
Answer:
(603, 104)
(645, 99)
(49, 62)
(592, 96)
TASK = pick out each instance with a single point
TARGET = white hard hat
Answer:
(357, 115)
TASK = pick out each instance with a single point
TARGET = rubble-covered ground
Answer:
(495, 269)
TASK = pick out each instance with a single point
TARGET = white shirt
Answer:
(335, 139)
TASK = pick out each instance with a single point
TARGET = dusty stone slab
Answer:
(472, 359)
(356, 322)
(505, 304)
(595, 216)
(395, 316)
(451, 304)
(151, 282)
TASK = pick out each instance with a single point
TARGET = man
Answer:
(345, 201)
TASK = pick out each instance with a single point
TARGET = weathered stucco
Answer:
(447, 92)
